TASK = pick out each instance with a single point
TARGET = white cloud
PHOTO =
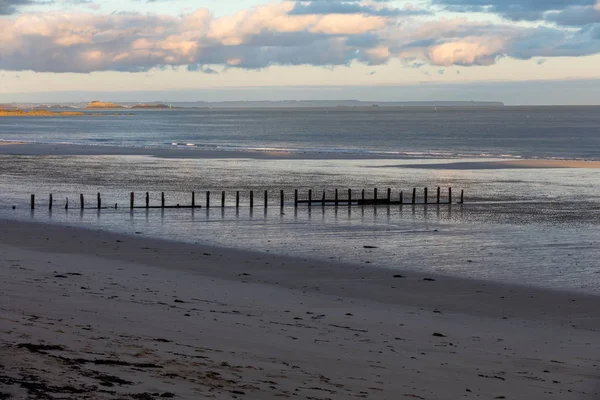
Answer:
(267, 35)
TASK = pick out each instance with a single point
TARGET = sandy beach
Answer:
(92, 315)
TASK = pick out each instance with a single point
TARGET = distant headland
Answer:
(102, 104)
(38, 113)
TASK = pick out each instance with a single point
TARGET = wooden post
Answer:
(115, 205)
(449, 195)
(33, 201)
(425, 195)
(309, 197)
(147, 200)
(438, 194)
(237, 199)
(193, 199)
(81, 205)
(281, 199)
(401, 197)
(99, 200)
(251, 199)
(162, 199)
(131, 200)
(462, 196)
(375, 195)
(323, 200)
(336, 197)
(295, 198)
(223, 199)
(208, 199)
(67, 204)
(363, 195)
(50, 202)
(414, 198)
(389, 195)
(349, 197)
(266, 198)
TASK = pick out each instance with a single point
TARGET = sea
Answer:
(527, 226)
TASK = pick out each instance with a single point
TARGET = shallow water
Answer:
(531, 226)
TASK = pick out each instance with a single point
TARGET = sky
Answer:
(516, 51)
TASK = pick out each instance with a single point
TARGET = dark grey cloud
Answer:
(346, 7)
(549, 42)
(575, 16)
(8, 7)
(514, 9)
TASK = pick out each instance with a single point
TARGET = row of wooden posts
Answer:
(362, 200)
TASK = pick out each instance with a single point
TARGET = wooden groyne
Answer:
(337, 200)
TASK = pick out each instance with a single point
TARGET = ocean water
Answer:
(542, 132)
(528, 226)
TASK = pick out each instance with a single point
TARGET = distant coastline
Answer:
(47, 113)
(337, 104)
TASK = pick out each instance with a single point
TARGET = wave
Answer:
(363, 153)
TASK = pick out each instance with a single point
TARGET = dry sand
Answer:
(93, 315)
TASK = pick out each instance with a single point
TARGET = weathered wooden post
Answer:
(99, 200)
(81, 204)
(362, 197)
(438, 194)
(309, 197)
(237, 199)
(33, 201)
(281, 198)
(193, 199)
(295, 198)
(208, 199)
(266, 198)
(414, 197)
(425, 196)
(389, 197)
(336, 197)
(223, 199)
(375, 195)
(67, 204)
(251, 199)
(462, 196)
(131, 200)
(162, 199)
(50, 202)
(323, 200)
(401, 197)
(349, 197)
(449, 195)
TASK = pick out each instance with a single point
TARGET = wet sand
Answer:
(88, 314)
(10, 143)
(506, 164)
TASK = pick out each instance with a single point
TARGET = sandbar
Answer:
(91, 314)
(504, 164)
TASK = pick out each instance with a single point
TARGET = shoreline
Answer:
(229, 323)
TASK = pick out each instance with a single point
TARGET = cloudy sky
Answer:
(518, 51)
